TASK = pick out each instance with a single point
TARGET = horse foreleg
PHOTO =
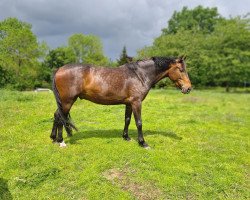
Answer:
(136, 108)
(54, 132)
(128, 113)
(68, 129)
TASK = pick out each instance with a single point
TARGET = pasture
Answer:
(199, 148)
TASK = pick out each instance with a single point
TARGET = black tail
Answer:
(65, 119)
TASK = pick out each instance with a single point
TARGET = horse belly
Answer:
(105, 99)
(104, 96)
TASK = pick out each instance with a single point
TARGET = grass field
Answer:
(199, 148)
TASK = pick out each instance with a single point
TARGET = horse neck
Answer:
(149, 73)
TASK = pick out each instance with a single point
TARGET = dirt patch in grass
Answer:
(191, 99)
(143, 191)
(113, 175)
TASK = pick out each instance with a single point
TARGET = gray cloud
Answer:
(118, 23)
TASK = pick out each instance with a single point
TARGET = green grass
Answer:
(199, 148)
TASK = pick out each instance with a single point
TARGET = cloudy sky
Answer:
(134, 23)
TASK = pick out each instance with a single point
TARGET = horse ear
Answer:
(129, 59)
(182, 58)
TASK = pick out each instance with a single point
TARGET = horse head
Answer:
(178, 74)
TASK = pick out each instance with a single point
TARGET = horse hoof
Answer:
(147, 147)
(144, 145)
(62, 144)
(127, 138)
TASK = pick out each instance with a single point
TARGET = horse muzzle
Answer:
(185, 90)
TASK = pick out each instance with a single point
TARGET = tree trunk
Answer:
(227, 87)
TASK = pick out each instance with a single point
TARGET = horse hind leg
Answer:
(68, 127)
(60, 135)
(56, 122)
(65, 122)
(57, 130)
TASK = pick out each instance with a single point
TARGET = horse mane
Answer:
(134, 65)
(162, 63)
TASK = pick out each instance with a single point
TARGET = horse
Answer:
(128, 84)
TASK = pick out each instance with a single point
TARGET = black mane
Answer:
(162, 63)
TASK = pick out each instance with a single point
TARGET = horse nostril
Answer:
(188, 90)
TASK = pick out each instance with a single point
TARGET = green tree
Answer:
(229, 49)
(58, 57)
(43, 50)
(18, 45)
(199, 19)
(5, 77)
(124, 58)
(87, 49)
(19, 52)
(54, 59)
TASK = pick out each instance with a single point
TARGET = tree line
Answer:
(218, 50)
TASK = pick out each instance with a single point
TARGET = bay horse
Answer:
(128, 84)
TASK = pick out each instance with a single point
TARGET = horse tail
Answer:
(64, 118)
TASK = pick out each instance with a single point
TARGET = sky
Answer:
(130, 23)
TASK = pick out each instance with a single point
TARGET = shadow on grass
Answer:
(116, 133)
(4, 190)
